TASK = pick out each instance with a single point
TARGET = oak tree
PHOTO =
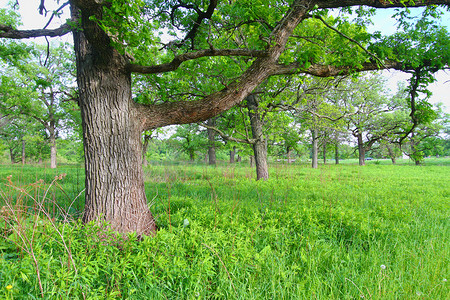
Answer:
(114, 39)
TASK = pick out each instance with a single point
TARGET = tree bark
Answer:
(259, 147)
(112, 141)
(361, 149)
(324, 153)
(211, 142)
(314, 133)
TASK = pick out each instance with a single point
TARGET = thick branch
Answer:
(328, 70)
(9, 32)
(201, 16)
(179, 59)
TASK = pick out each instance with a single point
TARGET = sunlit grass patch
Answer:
(339, 232)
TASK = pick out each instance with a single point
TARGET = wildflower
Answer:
(383, 267)
(8, 287)
(444, 280)
(185, 223)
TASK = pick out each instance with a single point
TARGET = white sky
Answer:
(382, 22)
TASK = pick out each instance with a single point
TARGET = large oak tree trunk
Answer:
(259, 147)
(314, 133)
(112, 142)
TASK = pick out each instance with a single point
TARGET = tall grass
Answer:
(338, 232)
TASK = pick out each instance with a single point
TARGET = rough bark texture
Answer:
(112, 141)
(259, 147)
(211, 142)
(314, 133)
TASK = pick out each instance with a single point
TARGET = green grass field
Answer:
(337, 232)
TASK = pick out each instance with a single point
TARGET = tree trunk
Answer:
(336, 152)
(391, 154)
(415, 156)
(23, 152)
(12, 156)
(112, 142)
(232, 155)
(239, 158)
(314, 133)
(324, 153)
(211, 142)
(361, 149)
(52, 150)
(259, 147)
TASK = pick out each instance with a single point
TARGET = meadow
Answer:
(337, 232)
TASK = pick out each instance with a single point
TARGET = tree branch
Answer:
(228, 137)
(179, 59)
(329, 70)
(348, 38)
(201, 16)
(9, 32)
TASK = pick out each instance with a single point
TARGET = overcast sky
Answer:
(382, 22)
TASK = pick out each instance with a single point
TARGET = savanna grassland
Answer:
(337, 232)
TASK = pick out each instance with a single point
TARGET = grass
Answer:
(337, 232)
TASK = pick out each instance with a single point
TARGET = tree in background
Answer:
(190, 139)
(42, 89)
